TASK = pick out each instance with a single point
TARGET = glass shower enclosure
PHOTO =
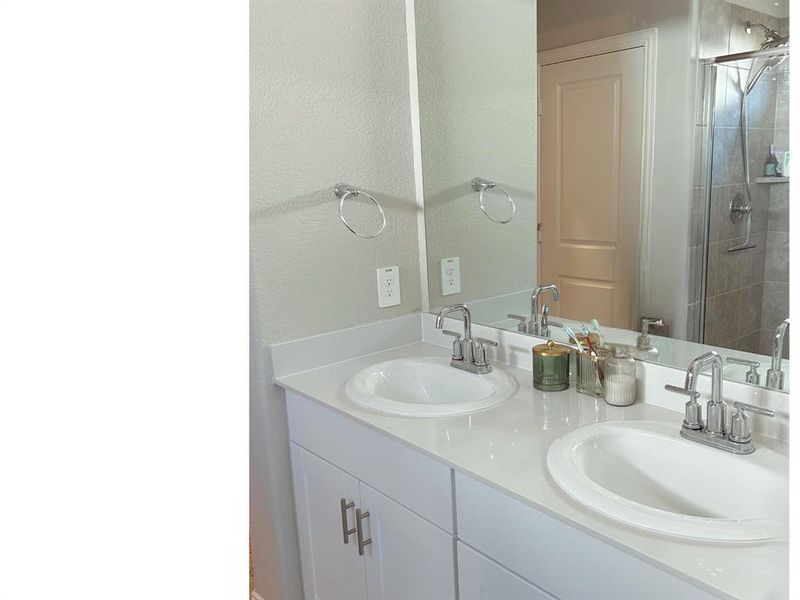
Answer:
(741, 215)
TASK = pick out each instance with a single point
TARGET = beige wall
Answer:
(329, 103)
(567, 22)
(477, 96)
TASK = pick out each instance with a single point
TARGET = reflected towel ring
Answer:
(481, 185)
(343, 191)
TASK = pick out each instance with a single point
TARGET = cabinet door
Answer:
(480, 578)
(409, 558)
(332, 570)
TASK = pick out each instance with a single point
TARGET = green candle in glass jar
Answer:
(550, 367)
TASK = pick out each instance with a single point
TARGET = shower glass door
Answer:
(744, 220)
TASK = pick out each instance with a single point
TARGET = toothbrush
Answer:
(571, 334)
(596, 326)
(601, 376)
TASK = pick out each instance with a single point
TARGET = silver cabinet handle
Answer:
(346, 533)
(362, 543)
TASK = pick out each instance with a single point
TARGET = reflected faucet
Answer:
(775, 376)
(539, 319)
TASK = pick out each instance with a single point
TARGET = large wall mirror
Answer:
(612, 163)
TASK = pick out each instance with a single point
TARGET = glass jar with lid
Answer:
(551, 367)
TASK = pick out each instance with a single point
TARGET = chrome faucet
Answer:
(714, 433)
(468, 354)
(775, 376)
(539, 319)
(752, 376)
(524, 325)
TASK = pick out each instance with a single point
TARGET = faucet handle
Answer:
(480, 359)
(676, 389)
(741, 427)
(458, 350)
(692, 418)
(753, 376)
(760, 410)
(523, 322)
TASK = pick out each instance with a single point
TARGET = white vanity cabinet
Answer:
(498, 547)
(480, 578)
(404, 556)
(408, 557)
(403, 497)
(331, 569)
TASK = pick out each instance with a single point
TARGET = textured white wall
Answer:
(476, 66)
(329, 103)
(568, 22)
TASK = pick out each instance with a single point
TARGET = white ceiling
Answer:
(776, 8)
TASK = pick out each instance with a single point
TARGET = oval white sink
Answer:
(427, 387)
(645, 474)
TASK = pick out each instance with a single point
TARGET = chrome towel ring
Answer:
(344, 191)
(481, 185)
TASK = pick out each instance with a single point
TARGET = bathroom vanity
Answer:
(465, 506)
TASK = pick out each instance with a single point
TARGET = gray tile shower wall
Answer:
(746, 291)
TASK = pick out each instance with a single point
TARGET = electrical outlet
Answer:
(388, 286)
(451, 276)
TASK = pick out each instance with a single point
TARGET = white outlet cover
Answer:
(388, 286)
(451, 275)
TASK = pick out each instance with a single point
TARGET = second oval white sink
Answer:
(645, 474)
(427, 387)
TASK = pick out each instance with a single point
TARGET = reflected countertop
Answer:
(506, 447)
(672, 352)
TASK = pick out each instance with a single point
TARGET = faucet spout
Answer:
(536, 318)
(468, 354)
(715, 411)
(466, 317)
(775, 375)
(698, 365)
(738, 437)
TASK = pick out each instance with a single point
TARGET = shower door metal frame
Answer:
(709, 104)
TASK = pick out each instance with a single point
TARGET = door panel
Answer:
(591, 184)
(589, 109)
(480, 578)
(584, 299)
(332, 570)
(409, 558)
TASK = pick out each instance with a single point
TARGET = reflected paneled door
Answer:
(591, 184)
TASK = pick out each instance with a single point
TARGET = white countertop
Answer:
(506, 447)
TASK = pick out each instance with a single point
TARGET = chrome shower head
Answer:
(772, 39)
